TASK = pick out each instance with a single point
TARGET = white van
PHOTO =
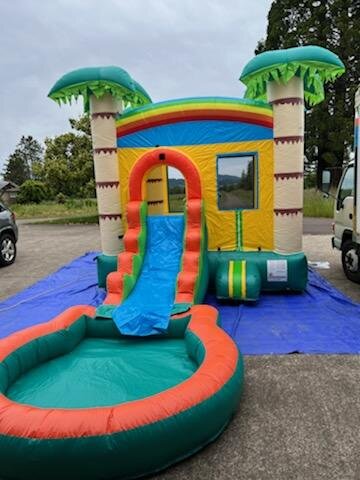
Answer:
(343, 224)
(346, 222)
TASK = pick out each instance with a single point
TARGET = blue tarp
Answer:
(147, 309)
(321, 320)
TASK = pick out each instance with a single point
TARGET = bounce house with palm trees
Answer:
(245, 155)
(240, 232)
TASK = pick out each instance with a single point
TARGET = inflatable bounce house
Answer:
(149, 377)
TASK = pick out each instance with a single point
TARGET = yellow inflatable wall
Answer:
(228, 230)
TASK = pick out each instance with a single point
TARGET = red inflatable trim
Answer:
(115, 280)
(175, 117)
(170, 157)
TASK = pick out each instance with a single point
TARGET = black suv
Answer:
(8, 236)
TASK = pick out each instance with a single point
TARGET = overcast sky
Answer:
(174, 48)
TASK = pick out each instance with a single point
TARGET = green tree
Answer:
(68, 164)
(333, 24)
(24, 161)
(15, 169)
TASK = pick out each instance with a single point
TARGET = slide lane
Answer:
(161, 269)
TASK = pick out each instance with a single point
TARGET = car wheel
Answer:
(351, 261)
(7, 249)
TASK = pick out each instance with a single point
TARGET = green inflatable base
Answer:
(276, 271)
(238, 280)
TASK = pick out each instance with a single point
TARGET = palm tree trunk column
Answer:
(288, 110)
(103, 129)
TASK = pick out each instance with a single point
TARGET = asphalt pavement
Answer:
(317, 226)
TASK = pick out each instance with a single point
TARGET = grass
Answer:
(72, 208)
(176, 202)
(79, 211)
(315, 205)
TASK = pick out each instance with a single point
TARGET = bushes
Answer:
(60, 198)
(88, 190)
(33, 191)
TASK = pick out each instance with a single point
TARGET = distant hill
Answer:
(176, 182)
(179, 183)
(228, 179)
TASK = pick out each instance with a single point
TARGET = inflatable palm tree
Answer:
(106, 91)
(285, 78)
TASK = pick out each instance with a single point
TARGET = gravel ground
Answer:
(300, 414)
(298, 419)
(42, 249)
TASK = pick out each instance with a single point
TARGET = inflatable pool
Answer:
(80, 401)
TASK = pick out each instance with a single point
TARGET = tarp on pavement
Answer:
(321, 320)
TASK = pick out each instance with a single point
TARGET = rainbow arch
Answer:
(193, 109)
